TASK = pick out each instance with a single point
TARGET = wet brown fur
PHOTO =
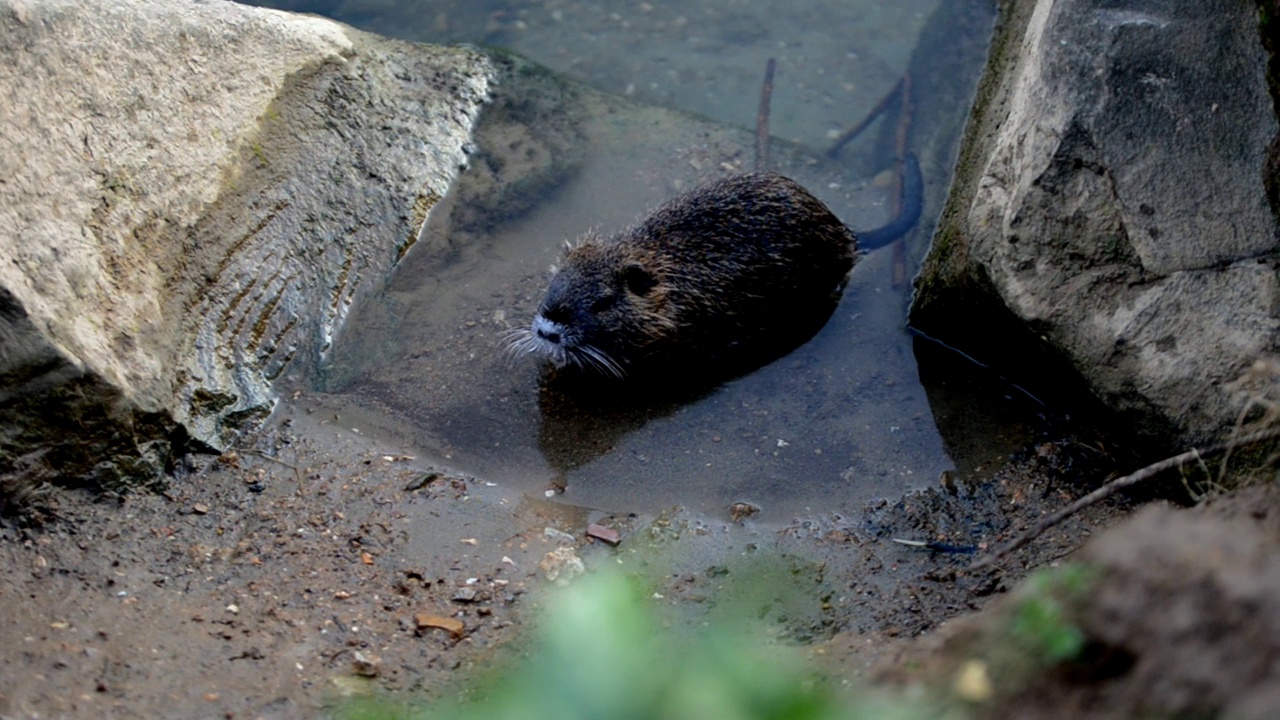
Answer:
(737, 271)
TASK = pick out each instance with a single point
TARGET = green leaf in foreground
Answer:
(602, 654)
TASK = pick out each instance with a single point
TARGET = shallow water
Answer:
(839, 422)
(836, 58)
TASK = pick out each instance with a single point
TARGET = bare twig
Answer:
(904, 117)
(1105, 491)
(856, 130)
(1244, 413)
(900, 151)
(297, 474)
(762, 117)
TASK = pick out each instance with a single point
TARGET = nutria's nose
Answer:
(549, 335)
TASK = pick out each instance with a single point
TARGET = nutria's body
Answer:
(728, 275)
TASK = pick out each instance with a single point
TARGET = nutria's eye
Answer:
(604, 303)
(638, 280)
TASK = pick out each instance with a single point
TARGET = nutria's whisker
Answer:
(601, 360)
(518, 341)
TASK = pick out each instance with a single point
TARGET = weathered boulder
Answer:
(1111, 195)
(192, 195)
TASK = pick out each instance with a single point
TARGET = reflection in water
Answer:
(582, 417)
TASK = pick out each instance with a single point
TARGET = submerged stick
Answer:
(900, 150)
(762, 117)
(1119, 484)
(904, 116)
(856, 130)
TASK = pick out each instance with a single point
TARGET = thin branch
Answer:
(856, 130)
(900, 151)
(762, 117)
(1119, 484)
(297, 474)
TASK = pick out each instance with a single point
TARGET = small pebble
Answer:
(604, 534)
(740, 510)
(557, 535)
(425, 621)
(366, 665)
(561, 565)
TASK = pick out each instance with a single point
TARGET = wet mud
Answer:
(322, 560)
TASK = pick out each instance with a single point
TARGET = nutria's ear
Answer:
(638, 280)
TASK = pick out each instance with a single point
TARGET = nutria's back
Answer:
(728, 275)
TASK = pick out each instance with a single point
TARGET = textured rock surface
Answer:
(193, 195)
(1112, 197)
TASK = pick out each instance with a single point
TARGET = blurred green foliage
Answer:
(1042, 620)
(601, 653)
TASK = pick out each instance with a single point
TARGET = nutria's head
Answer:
(606, 307)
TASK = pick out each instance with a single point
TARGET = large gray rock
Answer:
(192, 195)
(1111, 195)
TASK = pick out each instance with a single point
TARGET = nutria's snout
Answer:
(547, 331)
(547, 338)
(553, 335)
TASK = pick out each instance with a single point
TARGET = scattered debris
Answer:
(425, 621)
(557, 535)
(561, 565)
(369, 665)
(200, 509)
(740, 510)
(465, 595)
(604, 534)
(422, 481)
(938, 546)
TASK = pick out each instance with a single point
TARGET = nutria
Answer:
(727, 276)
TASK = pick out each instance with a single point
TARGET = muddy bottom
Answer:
(321, 560)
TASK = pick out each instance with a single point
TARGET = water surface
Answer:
(839, 422)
